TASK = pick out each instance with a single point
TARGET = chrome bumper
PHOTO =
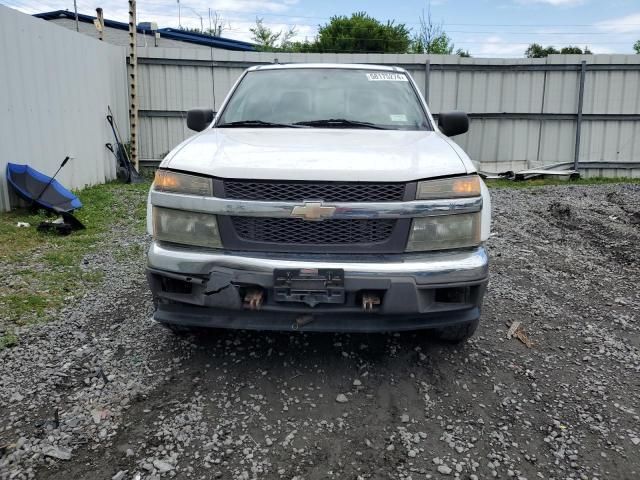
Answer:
(437, 268)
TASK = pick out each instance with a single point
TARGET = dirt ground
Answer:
(103, 392)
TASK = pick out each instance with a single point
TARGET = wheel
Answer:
(178, 329)
(175, 329)
(457, 333)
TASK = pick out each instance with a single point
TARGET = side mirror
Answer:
(199, 118)
(453, 123)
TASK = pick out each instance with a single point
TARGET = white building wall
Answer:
(56, 87)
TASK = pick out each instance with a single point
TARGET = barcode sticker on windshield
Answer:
(400, 117)
(386, 77)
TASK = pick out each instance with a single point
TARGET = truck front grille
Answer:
(325, 191)
(295, 235)
(295, 231)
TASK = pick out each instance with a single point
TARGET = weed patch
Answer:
(42, 271)
(542, 182)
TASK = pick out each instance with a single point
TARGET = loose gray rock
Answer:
(16, 397)
(244, 405)
(57, 452)
(162, 466)
(119, 476)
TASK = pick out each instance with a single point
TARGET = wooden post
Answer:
(100, 24)
(133, 99)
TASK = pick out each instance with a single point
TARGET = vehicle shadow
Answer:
(266, 348)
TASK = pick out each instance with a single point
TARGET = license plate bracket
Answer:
(309, 285)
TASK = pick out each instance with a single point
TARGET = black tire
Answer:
(457, 333)
(180, 330)
(175, 329)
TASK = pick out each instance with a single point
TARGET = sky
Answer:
(485, 28)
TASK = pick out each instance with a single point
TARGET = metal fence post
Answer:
(427, 73)
(75, 10)
(541, 123)
(576, 154)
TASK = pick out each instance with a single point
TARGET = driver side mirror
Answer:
(453, 123)
(199, 118)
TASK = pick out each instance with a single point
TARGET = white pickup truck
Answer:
(321, 197)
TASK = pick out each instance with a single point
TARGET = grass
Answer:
(541, 182)
(42, 271)
(8, 340)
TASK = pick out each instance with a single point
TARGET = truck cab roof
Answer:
(342, 66)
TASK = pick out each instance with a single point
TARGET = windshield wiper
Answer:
(256, 124)
(340, 123)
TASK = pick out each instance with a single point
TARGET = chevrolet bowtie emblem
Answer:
(313, 211)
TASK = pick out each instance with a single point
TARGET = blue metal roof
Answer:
(169, 33)
(202, 39)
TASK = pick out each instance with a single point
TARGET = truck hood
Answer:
(318, 154)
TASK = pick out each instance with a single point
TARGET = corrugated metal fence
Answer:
(56, 86)
(523, 112)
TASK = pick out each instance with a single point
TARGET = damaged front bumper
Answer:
(199, 287)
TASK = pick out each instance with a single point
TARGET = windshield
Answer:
(325, 98)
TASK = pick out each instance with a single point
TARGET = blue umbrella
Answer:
(39, 189)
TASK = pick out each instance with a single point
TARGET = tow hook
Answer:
(370, 300)
(253, 299)
(303, 320)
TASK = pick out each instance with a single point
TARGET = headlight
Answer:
(456, 187)
(443, 232)
(187, 228)
(173, 182)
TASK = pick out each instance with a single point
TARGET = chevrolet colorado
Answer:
(321, 197)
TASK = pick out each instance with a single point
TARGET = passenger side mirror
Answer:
(453, 123)
(199, 118)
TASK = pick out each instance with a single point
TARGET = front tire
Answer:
(457, 333)
(179, 330)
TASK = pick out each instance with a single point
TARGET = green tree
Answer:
(636, 47)
(431, 38)
(303, 47)
(359, 33)
(439, 45)
(536, 50)
(269, 40)
(575, 50)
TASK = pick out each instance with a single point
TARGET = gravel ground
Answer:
(103, 392)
